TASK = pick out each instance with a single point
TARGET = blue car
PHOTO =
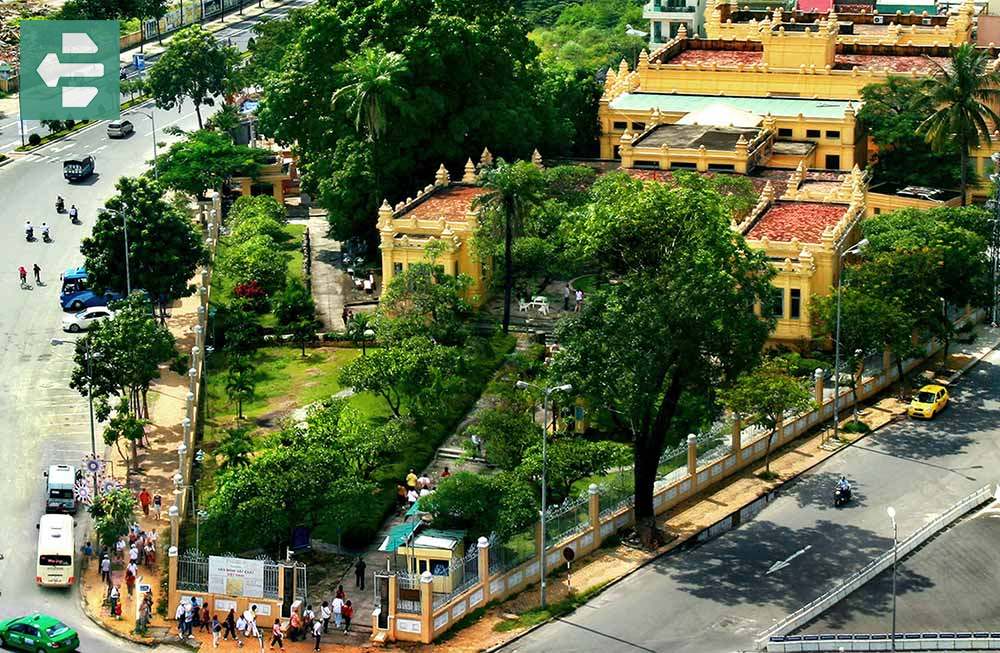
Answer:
(78, 301)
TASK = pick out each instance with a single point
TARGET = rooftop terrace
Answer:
(776, 106)
(451, 203)
(694, 136)
(802, 221)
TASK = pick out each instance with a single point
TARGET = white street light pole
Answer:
(566, 387)
(128, 274)
(152, 119)
(895, 547)
(836, 359)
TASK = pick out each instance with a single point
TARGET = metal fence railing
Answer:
(405, 584)
(192, 571)
(514, 550)
(464, 573)
(568, 519)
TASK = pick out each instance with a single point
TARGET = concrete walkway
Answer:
(329, 281)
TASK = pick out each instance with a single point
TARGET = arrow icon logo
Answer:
(778, 566)
(51, 70)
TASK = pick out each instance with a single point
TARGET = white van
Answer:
(56, 551)
(59, 495)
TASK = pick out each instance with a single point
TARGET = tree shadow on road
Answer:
(815, 490)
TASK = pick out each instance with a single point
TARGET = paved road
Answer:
(950, 584)
(718, 596)
(237, 35)
(44, 421)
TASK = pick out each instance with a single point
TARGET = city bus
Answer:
(55, 551)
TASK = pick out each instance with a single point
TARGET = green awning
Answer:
(398, 535)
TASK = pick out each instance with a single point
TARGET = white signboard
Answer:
(236, 576)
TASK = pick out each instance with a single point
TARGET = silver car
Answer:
(120, 129)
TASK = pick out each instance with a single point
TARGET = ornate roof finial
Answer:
(470, 172)
(441, 177)
(536, 158)
(486, 159)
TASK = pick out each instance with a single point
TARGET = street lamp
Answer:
(566, 387)
(895, 545)
(368, 333)
(995, 240)
(152, 119)
(90, 395)
(861, 244)
(128, 274)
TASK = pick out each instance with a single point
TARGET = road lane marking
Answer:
(788, 561)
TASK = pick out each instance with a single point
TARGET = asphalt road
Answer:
(45, 422)
(719, 596)
(949, 584)
(238, 35)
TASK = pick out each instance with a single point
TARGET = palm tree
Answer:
(358, 327)
(236, 448)
(512, 189)
(241, 384)
(964, 93)
(370, 86)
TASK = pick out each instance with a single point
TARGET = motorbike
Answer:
(45, 237)
(841, 496)
(60, 205)
(29, 234)
(73, 216)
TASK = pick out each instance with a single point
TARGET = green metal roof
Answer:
(398, 536)
(776, 106)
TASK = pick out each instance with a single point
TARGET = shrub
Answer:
(257, 259)
(69, 124)
(256, 225)
(856, 427)
(34, 139)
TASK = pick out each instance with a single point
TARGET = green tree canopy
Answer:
(164, 248)
(256, 259)
(195, 66)
(424, 300)
(677, 323)
(113, 513)
(205, 159)
(480, 504)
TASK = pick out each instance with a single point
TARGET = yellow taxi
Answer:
(929, 401)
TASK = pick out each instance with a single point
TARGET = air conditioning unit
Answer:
(878, 20)
(926, 21)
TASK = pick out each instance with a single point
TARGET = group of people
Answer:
(415, 487)
(577, 297)
(310, 624)
(147, 501)
(23, 274)
(136, 549)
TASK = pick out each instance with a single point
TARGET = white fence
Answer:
(820, 605)
(883, 642)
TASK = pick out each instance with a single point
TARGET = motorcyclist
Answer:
(60, 203)
(844, 487)
(45, 231)
(29, 231)
(73, 212)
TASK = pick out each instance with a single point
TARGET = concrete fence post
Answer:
(393, 597)
(189, 406)
(172, 597)
(174, 513)
(735, 436)
(692, 455)
(199, 333)
(484, 567)
(188, 440)
(779, 426)
(818, 387)
(594, 512)
(886, 361)
(192, 380)
(426, 607)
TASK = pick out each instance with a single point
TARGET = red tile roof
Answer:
(894, 64)
(804, 221)
(450, 203)
(720, 57)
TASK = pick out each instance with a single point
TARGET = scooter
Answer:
(841, 497)
(45, 237)
(73, 216)
(29, 234)
(60, 205)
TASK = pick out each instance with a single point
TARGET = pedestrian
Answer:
(317, 633)
(477, 444)
(229, 625)
(216, 631)
(294, 627)
(38, 272)
(348, 612)
(566, 297)
(446, 473)
(120, 549)
(412, 497)
(115, 595)
(189, 616)
(340, 594)
(345, 315)
(179, 618)
(401, 496)
(424, 481)
(326, 613)
(106, 569)
(338, 609)
(359, 573)
(21, 272)
(411, 480)
(157, 506)
(88, 551)
(206, 617)
(144, 500)
(130, 573)
(150, 555)
(241, 627)
(276, 636)
(250, 616)
(579, 301)
(195, 613)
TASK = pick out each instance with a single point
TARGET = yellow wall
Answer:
(881, 203)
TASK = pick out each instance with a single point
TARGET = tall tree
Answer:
(113, 513)
(677, 323)
(196, 66)
(151, 10)
(205, 159)
(512, 189)
(163, 246)
(371, 83)
(241, 383)
(964, 93)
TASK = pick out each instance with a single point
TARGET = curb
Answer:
(686, 541)
(44, 145)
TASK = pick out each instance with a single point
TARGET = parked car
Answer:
(78, 169)
(87, 299)
(929, 401)
(38, 632)
(120, 128)
(86, 318)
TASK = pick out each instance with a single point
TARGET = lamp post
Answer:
(128, 274)
(90, 397)
(368, 333)
(152, 119)
(836, 340)
(895, 545)
(995, 238)
(546, 392)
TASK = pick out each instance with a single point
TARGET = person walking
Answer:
(579, 301)
(21, 272)
(145, 498)
(340, 594)
(38, 273)
(338, 612)
(189, 612)
(326, 614)
(106, 569)
(348, 612)
(216, 630)
(157, 507)
(114, 596)
(229, 625)
(241, 627)
(411, 480)
(566, 297)
(276, 635)
(179, 618)
(317, 633)
(359, 573)
(206, 618)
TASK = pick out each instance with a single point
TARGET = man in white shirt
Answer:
(338, 606)
(327, 614)
(179, 616)
(317, 633)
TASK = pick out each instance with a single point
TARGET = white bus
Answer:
(55, 551)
